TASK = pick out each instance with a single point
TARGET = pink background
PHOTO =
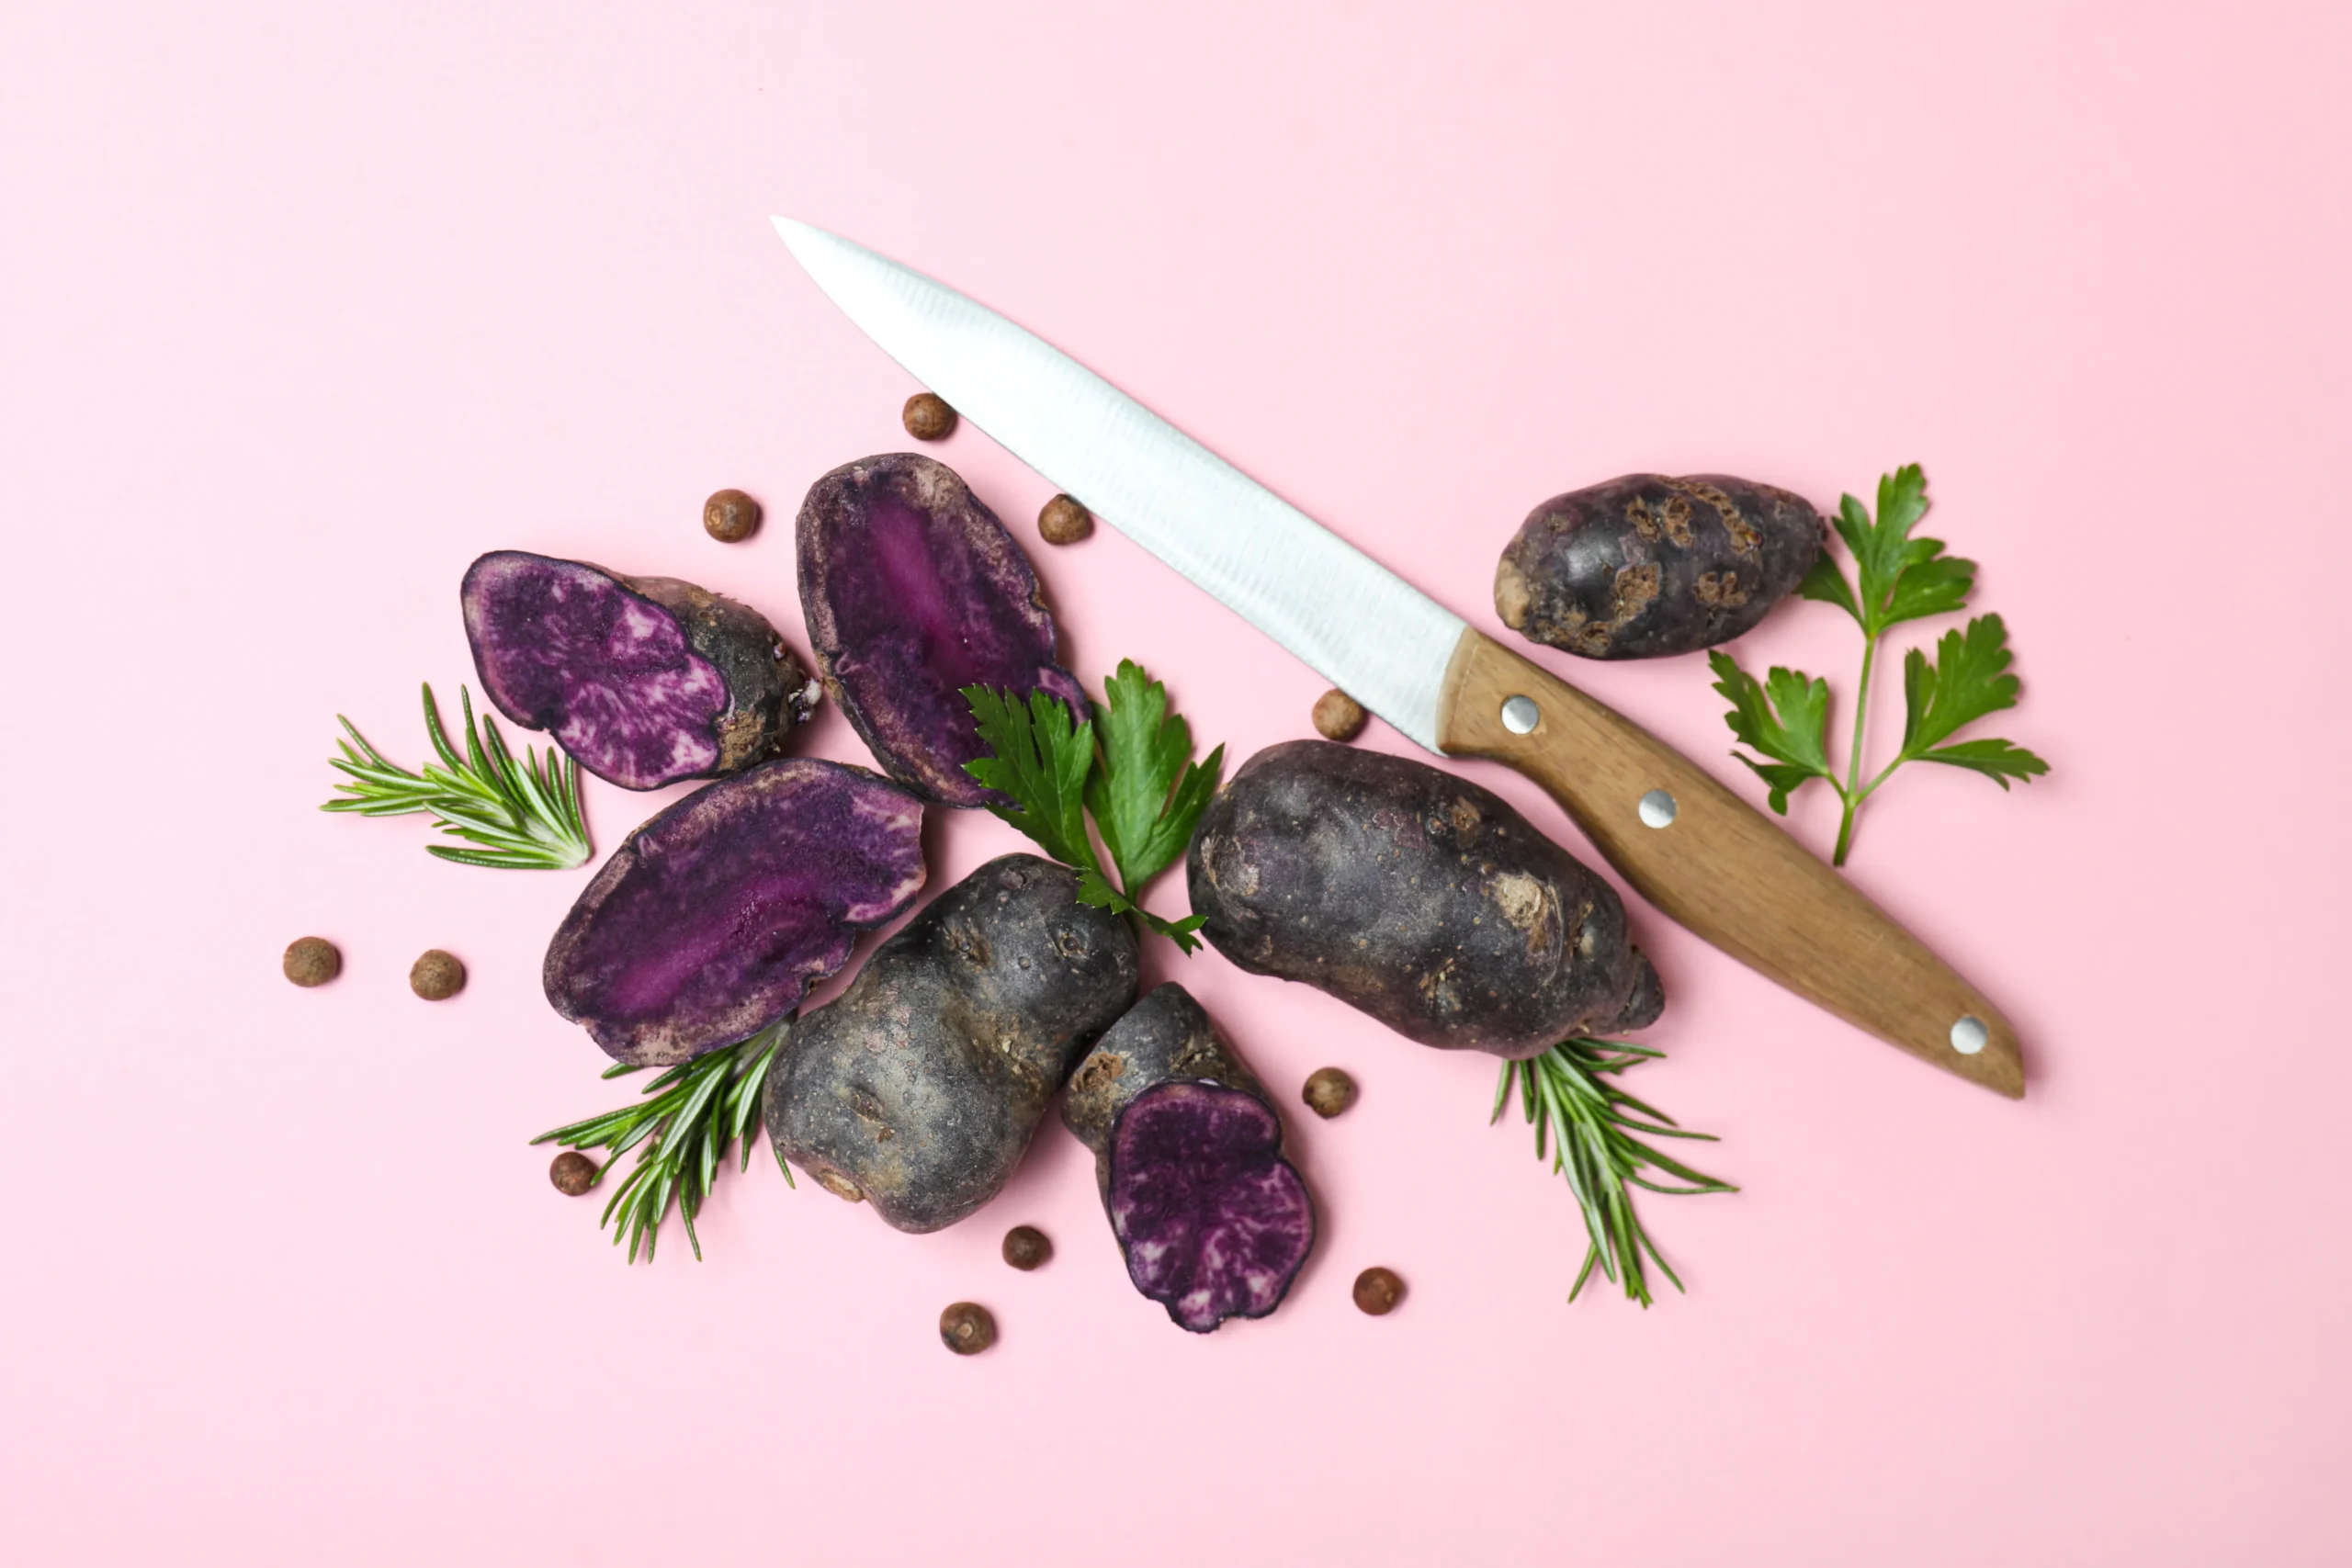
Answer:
(305, 307)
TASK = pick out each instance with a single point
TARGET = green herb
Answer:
(1589, 1126)
(1140, 786)
(1785, 718)
(681, 1131)
(525, 815)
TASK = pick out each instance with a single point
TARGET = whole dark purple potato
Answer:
(918, 1088)
(913, 591)
(644, 680)
(1647, 565)
(1417, 898)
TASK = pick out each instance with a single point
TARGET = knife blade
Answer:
(1695, 849)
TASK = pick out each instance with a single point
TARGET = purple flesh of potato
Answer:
(714, 918)
(913, 591)
(1214, 1222)
(646, 680)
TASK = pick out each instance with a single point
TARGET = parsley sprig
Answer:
(682, 1130)
(523, 814)
(1785, 718)
(1593, 1129)
(1129, 768)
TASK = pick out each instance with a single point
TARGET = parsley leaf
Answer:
(1141, 787)
(1785, 718)
(1897, 578)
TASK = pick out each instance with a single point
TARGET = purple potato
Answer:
(1415, 897)
(913, 591)
(645, 680)
(1648, 565)
(1213, 1221)
(715, 918)
(918, 1088)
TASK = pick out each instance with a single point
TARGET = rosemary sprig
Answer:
(1589, 1125)
(681, 1131)
(525, 816)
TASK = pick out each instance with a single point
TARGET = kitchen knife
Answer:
(1686, 843)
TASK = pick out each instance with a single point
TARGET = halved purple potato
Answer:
(1213, 1221)
(645, 680)
(715, 918)
(920, 1086)
(913, 591)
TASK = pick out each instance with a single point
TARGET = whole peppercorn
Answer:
(1338, 716)
(313, 961)
(437, 976)
(966, 1329)
(1026, 1247)
(1064, 522)
(731, 516)
(1328, 1091)
(1378, 1291)
(574, 1173)
(928, 418)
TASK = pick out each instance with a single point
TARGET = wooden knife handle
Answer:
(1720, 867)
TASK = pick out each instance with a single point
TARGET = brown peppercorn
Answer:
(928, 418)
(574, 1173)
(1064, 522)
(1328, 1091)
(1026, 1247)
(966, 1329)
(731, 516)
(437, 976)
(1378, 1291)
(1338, 716)
(313, 961)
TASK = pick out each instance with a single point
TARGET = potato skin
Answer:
(1165, 1036)
(1417, 898)
(918, 1088)
(1648, 565)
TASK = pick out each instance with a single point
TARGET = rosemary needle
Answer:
(524, 815)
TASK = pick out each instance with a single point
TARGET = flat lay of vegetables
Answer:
(1394, 886)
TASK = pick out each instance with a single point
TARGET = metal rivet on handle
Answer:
(1520, 715)
(1656, 808)
(1969, 1034)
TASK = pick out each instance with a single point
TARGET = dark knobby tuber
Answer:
(311, 960)
(968, 1328)
(714, 918)
(1328, 1091)
(1416, 897)
(1647, 565)
(437, 976)
(644, 680)
(918, 1088)
(913, 591)
(1026, 1247)
(1214, 1222)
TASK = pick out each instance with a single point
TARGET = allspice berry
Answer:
(574, 1173)
(731, 516)
(1064, 522)
(1328, 1091)
(966, 1329)
(928, 418)
(1338, 716)
(437, 976)
(1378, 1291)
(313, 961)
(1026, 1247)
